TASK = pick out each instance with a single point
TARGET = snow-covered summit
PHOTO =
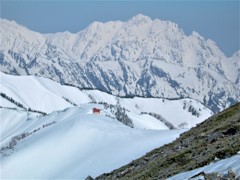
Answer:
(18, 38)
(139, 19)
(236, 54)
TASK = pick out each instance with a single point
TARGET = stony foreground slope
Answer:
(216, 138)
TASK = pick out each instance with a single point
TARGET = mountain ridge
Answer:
(141, 57)
(48, 96)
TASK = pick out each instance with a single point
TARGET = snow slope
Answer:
(146, 122)
(40, 93)
(222, 167)
(45, 95)
(76, 145)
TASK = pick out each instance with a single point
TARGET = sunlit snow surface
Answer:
(46, 95)
(77, 145)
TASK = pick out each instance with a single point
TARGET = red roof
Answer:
(95, 110)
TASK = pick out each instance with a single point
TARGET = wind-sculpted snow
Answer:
(141, 57)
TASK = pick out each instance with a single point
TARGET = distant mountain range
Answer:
(142, 57)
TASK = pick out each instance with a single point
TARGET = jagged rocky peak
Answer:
(139, 19)
(9, 25)
(20, 39)
(236, 54)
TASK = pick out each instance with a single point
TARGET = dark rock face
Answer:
(230, 175)
(89, 178)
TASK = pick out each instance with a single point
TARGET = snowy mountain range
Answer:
(142, 57)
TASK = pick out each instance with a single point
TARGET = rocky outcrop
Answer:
(216, 138)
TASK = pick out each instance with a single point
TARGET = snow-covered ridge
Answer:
(45, 95)
(141, 56)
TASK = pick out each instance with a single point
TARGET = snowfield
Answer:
(222, 167)
(70, 142)
(45, 95)
(78, 144)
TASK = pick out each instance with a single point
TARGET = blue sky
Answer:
(214, 19)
